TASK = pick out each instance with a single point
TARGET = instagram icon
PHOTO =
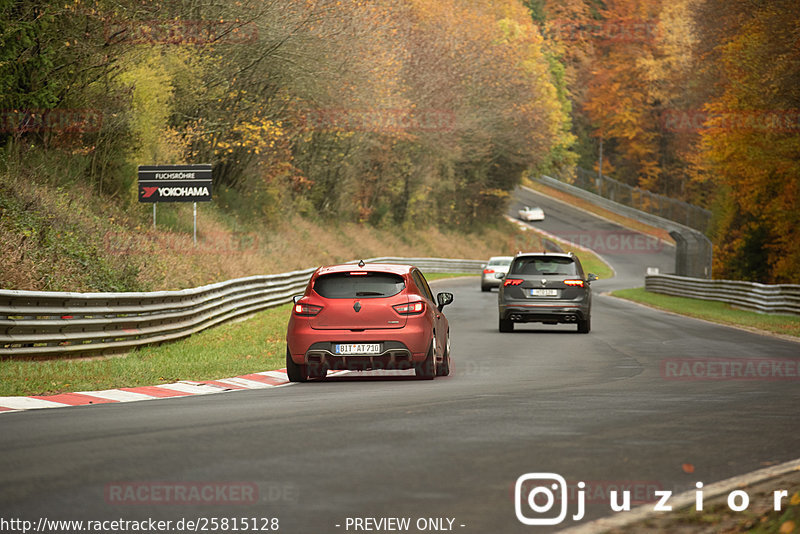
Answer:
(536, 495)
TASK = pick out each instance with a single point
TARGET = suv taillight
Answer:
(306, 310)
(512, 282)
(488, 271)
(577, 283)
(411, 308)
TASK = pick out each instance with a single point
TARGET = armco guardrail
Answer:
(782, 298)
(693, 249)
(643, 200)
(49, 324)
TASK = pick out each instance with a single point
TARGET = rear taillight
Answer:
(306, 310)
(577, 283)
(512, 282)
(488, 271)
(412, 308)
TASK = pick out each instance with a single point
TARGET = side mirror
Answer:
(296, 298)
(499, 276)
(443, 299)
(592, 277)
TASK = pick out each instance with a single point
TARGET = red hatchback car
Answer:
(368, 317)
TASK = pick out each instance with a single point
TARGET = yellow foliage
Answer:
(150, 75)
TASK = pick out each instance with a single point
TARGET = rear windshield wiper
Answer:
(368, 294)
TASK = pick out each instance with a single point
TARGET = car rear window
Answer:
(499, 262)
(367, 285)
(543, 265)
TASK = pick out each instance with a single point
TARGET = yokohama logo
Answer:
(147, 192)
(183, 191)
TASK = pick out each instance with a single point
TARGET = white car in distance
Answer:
(529, 214)
(495, 265)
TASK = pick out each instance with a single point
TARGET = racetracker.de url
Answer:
(198, 524)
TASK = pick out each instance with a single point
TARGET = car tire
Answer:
(585, 325)
(295, 371)
(485, 288)
(426, 370)
(506, 325)
(443, 369)
(316, 371)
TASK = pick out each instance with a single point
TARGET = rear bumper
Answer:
(401, 347)
(544, 313)
(395, 355)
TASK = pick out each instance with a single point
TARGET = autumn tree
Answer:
(749, 139)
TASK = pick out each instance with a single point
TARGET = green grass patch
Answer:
(254, 345)
(718, 312)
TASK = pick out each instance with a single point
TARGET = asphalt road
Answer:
(590, 407)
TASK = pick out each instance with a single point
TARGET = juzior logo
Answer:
(147, 192)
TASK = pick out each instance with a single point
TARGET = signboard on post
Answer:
(175, 183)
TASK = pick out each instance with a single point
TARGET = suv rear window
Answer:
(350, 286)
(543, 265)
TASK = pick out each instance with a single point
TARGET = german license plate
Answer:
(357, 348)
(544, 292)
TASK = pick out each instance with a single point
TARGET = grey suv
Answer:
(546, 288)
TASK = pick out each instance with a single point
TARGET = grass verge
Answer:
(256, 344)
(718, 312)
(233, 349)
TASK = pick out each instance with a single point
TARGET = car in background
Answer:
(546, 288)
(368, 317)
(496, 265)
(529, 214)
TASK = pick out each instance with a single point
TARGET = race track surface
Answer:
(596, 408)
